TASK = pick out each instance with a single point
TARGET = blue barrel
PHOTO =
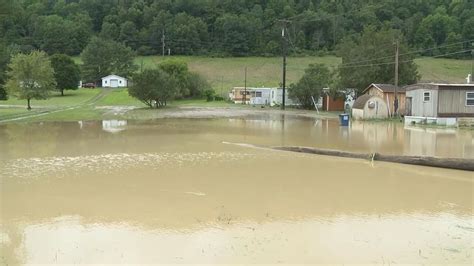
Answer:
(344, 119)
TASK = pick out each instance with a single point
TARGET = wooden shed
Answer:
(331, 103)
(369, 107)
(387, 93)
(440, 100)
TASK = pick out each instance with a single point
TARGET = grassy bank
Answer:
(225, 73)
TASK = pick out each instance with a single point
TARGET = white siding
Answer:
(419, 106)
(114, 81)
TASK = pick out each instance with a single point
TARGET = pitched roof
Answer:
(360, 102)
(385, 87)
(113, 75)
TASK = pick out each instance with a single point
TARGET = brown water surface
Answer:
(174, 191)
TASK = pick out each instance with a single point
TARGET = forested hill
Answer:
(230, 27)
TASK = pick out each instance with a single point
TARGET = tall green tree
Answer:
(153, 87)
(31, 76)
(435, 29)
(177, 69)
(316, 77)
(370, 58)
(55, 34)
(104, 57)
(4, 60)
(66, 72)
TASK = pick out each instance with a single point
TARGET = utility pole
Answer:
(395, 100)
(163, 43)
(245, 87)
(222, 85)
(285, 47)
(334, 32)
(472, 63)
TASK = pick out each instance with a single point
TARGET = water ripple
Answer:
(104, 163)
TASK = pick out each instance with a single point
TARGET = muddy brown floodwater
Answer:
(173, 191)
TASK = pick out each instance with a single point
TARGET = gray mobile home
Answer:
(439, 103)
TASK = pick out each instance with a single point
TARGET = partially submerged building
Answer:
(369, 107)
(437, 103)
(387, 93)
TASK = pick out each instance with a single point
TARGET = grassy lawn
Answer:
(8, 113)
(441, 69)
(70, 98)
(225, 73)
(119, 97)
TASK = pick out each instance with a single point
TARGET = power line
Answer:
(406, 61)
(408, 53)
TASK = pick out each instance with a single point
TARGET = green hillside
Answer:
(224, 73)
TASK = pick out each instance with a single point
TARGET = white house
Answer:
(114, 81)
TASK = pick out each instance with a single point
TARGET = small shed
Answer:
(369, 107)
(114, 81)
(331, 103)
(387, 93)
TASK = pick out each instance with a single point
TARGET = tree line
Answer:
(108, 34)
(230, 27)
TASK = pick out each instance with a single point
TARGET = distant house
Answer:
(387, 93)
(442, 104)
(240, 95)
(259, 96)
(114, 81)
(369, 107)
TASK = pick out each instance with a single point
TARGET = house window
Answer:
(258, 94)
(426, 96)
(120, 82)
(470, 98)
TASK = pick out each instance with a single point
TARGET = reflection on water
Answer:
(73, 139)
(114, 126)
(171, 191)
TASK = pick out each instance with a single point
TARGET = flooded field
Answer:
(178, 191)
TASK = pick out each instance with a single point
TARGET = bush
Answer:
(210, 95)
(153, 87)
(3, 94)
(315, 78)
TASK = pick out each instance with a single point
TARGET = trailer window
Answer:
(426, 96)
(258, 94)
(470, 98)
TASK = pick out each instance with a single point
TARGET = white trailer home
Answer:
(437, 103)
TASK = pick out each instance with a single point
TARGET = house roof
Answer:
(435, 86)
(385, 87)
(360, 102)
(113, 75)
